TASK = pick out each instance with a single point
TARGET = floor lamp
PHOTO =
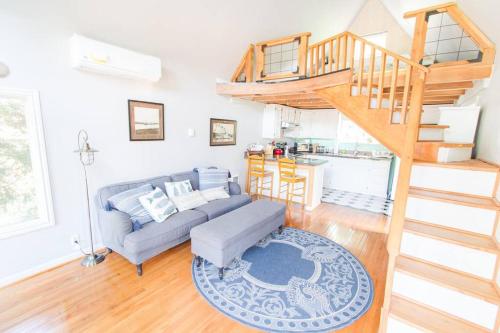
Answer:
(87, 158)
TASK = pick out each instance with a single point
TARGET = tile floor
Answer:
(357, 200)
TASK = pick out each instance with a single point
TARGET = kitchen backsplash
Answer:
(345, 145)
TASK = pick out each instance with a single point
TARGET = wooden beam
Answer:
(283, 40)
(419, 35)
(440, 7)
(246, 64)
(469, 72)
(402, 189)
(289, 87)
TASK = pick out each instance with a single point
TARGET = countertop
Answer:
(300, 161)
(376, 158)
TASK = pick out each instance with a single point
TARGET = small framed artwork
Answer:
(145, 121)
(222, 132)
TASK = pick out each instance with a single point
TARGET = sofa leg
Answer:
(280, 229)
(139, 270)
(198, 261)
(109, 250)
(221, 273)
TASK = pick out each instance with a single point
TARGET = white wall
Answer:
(198, 41)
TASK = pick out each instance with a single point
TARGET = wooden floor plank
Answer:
(112, 298)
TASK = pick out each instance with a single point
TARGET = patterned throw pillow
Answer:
(215, 193)
(158, 205)
(128, 202)
(210, 178)
(178, 188)
(189, 200)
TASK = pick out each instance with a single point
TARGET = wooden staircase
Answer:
(448, 261)
(442, 244)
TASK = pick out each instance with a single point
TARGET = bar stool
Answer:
(288, 176)
(256, 173)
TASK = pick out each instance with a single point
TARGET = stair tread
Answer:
(461, 282)
(466, 165)
(429, 319)
(464, 238)
(457, 198)
(449, 144)
(437, 126)
(420, 140)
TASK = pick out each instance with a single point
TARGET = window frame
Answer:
(38, 155)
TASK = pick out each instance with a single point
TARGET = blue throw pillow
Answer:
(128, 202)
(210, 178)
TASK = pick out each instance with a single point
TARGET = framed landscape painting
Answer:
(222, 132)
(145, 121)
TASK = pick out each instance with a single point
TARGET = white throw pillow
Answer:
(178, 188)
(157, 205)
(189, 200)
(215, 193)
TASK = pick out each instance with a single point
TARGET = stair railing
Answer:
(381, 75)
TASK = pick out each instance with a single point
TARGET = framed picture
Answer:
(222, 132)
(145, 121)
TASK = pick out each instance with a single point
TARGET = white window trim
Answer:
(34, 123)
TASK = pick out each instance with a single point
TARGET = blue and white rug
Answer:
(294, 282)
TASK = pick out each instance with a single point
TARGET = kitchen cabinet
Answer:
(360, 175)
(274, 116)
(318, 124)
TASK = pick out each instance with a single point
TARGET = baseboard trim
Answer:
(38, 269)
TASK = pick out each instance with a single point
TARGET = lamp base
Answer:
(92, 260)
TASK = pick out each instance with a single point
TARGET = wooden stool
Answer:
(288, 176)
(256, 173)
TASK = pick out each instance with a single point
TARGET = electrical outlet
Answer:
(75, 241)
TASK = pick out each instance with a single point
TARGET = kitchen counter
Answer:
(301, 160)
(365, 157)
(311, 168)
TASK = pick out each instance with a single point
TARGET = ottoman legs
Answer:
(280, 229)
(198, 261)
(221, 273)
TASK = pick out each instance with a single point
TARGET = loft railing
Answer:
(381, 75)
(447, 37)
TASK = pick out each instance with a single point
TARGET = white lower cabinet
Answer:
(358, 175)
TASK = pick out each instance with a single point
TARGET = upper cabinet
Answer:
(281, 121)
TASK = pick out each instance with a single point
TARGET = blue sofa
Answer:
(154, 238)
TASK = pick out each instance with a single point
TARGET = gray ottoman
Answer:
(228, 236)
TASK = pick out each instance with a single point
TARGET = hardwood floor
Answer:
(111, 298)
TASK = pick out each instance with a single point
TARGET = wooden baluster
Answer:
(311, 61)
(337, 53)
(317, 60)
(330, 56)
(323, 58)
(344, 52)
(370, 75)
(394, 85)
(351, 53)
(361, 68)
(406, 92)
(381, 77)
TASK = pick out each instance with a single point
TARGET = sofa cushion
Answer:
(128, 202)
(192, 176)
(210, 178)
(158, 205)
(156, 234)
(220, 207)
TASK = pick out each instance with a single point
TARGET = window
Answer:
(25, 196)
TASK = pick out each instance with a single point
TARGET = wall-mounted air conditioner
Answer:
(98, 57)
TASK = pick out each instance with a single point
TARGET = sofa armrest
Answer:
(234, 188)
(114, 226)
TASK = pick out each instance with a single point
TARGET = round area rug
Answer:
(294, 282)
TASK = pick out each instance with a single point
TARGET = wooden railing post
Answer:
(419, 34)
(403, 186)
